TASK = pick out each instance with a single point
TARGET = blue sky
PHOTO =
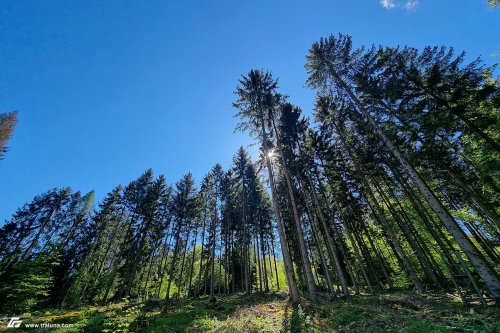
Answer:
(106, 89)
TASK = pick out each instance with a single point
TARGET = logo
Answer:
(14, 322)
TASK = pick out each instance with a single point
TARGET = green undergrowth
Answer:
(388, 312)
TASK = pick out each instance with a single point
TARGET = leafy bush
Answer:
(27, 284)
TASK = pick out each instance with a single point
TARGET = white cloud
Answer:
(411, 4)
(389, 4)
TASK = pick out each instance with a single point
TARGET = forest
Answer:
(391, 187)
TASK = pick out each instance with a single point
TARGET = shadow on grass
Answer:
(177, 316)
(385, 312)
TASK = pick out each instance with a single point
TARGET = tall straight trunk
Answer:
(141, 276)
(491, 215)
(381, 260)
(248, 274)
(275, 265)
(263, 252)
(253, 263)
(192, 259)
(174, 258)
(326, 233)
(335, 257)
(113, 276)
(163, 263)
(115, 271)
(242, 269)
(246, 266)
(179, 285)
(220, 273)
(205, 278)
(203, 227)
(311, 286)
(108, 287)
(314, 222)
(478, 236)
(245, 281)
(315, 234)
(257, 254)
(212, 255)
(153, 256)
(489, 276)
(421, 244)
(137, 256)
(348, 150)
(358, 257)
(379, 213)
(345, 256)
(436, 233)
(409, 238)
(227, 253)
(332, 250)
(366, 253)
(292, 284)
(103, 260)
(488, 248)
(233, 266)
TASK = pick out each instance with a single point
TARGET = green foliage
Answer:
(404, 150)
(124, 321)
(302, 322)
(27, 284)
(390, 312)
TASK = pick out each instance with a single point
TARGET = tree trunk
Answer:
(174, 258)
(212, 256)
(275, 266)
(262, 250)
(203, 225)
(193, 259)
(292, 284)
(358, 257)
(311, 287)
(489, 276)
(392, 237)
(179, 285)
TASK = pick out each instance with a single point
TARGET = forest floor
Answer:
(388, 312)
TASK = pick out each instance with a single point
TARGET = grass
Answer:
(388, 312)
